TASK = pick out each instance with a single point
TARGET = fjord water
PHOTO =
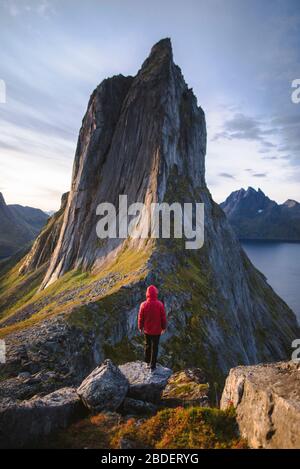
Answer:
(280, 263)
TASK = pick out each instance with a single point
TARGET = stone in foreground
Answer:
(143, 384)
(267, 402)
(25, 423)
(137, 407)
(186, 388)
(104, 389)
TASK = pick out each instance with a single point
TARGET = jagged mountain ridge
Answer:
(144, 136)
(254, 216)
(18, 226)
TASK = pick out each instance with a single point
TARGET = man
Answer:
(153, 322)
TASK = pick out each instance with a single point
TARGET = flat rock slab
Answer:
(267, 402)
(104, 389)
(24, 423)
(143, 384)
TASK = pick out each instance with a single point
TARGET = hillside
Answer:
(18, 226)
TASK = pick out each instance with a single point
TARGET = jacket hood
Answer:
(152, 293)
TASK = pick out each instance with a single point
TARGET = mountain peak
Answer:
(250, 190)
(166, 135)
(160, 57)
(290, 203)
(253, 192)
(162, 48)
(254, 216)
(246, 203)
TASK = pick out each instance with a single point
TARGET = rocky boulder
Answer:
(267, 402)
(104, 389)
(25, 423)
(186, 388)
(137, 407)
(143, 384)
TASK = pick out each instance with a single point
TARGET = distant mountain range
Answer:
(18, 226)
(254, 216)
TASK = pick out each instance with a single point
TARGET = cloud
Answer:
(288, 127)
(227, 175)
(284, 130)
(259, 175)
(242, 127)
(267, 144)
(40, 7)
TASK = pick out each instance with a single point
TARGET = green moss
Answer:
(188, 388)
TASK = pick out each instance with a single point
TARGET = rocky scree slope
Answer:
(144, 136)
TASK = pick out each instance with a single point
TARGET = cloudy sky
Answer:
(239, 56)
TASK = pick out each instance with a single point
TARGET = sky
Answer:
(239, 56)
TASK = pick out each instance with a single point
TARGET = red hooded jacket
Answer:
(152, 316)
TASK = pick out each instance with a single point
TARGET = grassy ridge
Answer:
(18, 292)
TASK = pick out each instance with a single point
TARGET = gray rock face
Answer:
(104, 389)
(267, 402)
(144, 385)
(56, 355)
(24, 423)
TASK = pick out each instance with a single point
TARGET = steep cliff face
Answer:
(46, 242)
(135, 132)
(145, 137)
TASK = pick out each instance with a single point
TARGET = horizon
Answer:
(252, 124)
(51, 212)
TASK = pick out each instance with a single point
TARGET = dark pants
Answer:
(151, 349)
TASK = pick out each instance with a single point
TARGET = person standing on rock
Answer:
(152, 322)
